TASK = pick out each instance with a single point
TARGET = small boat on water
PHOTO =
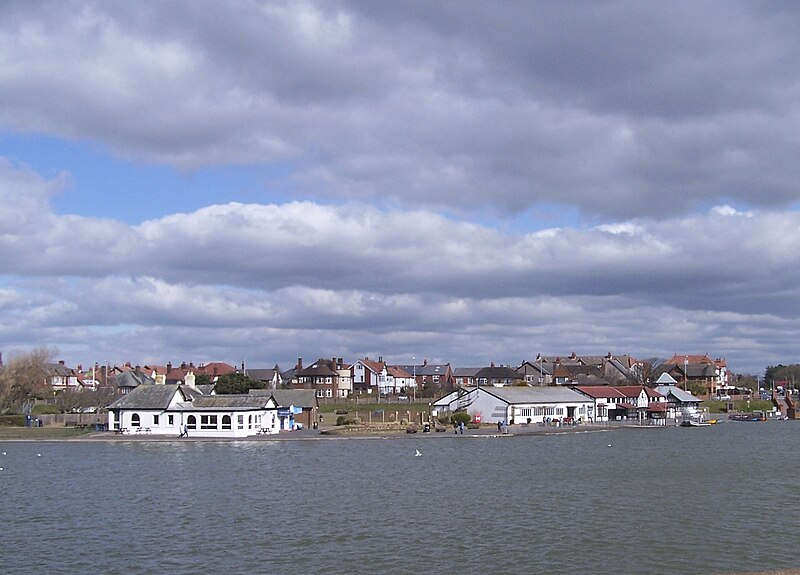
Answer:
(692, 423)
(754, 416)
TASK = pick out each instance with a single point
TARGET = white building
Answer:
(180, 409)
(517, 404)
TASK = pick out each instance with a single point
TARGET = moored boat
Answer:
(754, 416)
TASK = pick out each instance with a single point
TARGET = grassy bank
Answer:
(41, 432)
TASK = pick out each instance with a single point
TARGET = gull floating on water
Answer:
(417, 453)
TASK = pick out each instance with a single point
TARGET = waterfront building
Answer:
(518, 404)
(174, 410)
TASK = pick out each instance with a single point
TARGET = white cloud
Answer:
(302, 276)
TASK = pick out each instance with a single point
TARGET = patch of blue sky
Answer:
(539, 217)
(105, 186)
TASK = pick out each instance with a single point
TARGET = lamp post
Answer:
(685, 372)
(414, 367)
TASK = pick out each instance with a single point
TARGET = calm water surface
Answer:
(706, 500)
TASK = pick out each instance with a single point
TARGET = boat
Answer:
(696, 423)
(754, 416)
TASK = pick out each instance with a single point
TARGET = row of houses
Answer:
(335, 378)
(189, 410)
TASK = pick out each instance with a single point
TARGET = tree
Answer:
(236, 383)
(24, 378)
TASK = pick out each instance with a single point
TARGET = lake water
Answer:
(705, 500)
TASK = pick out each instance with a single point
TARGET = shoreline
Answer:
(326, 434)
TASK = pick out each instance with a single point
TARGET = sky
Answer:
(464, 182)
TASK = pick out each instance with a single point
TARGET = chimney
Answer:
(380, 359)
(299, 363)
(491, 364)
(169, 366)
(60, 362)
(425, 361)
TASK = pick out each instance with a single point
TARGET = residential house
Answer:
(127, 381)
(399, 381)
(271, 378)
(516, 404)
(498, 376)
(537, 372)
(696, 372)
(61, 378)
(431, 378)
(577, 374)
(369, 376)
(465, 376)
(328, 377)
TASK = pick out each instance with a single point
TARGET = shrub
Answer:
(344, 420)
(444, 419)
(460, 417)
(12, 420)
(45, 409)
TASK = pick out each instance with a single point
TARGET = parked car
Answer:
(724, 397)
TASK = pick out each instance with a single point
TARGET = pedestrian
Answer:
(499, 425)
(461, 427)
(185, 431)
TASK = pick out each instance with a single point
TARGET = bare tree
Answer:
(24, 378)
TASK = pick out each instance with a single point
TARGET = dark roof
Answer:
(234, 402)
(321, 367)
(498, 372)
(133, 379)
(287, 397)
(261, 374)
(148, 397)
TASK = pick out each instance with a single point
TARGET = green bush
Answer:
(444, 419)
(12, 421)
(460, 417)
(343, 420)
(45, 409)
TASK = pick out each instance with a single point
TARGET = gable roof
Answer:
(287, 397)
(233, 402)
(148, 397)
(132, 379)
(525, 394)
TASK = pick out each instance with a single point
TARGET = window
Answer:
(241, 422)
(191, 422)
(155, 420)
(526, 412)
(208, 422)
(328, 393)
(135, 421)
(226, 422)
(170, 420)
(320, 393)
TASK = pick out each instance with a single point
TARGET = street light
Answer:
(685, 372)
(414, 388)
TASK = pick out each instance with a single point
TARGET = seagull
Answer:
(609, 445)
(417, 453)
(38, 455)
(4, 453)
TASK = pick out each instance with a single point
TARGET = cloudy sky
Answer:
(467, 182)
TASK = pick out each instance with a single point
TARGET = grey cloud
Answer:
(621, 109)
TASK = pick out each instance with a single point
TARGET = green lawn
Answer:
(41, 432)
